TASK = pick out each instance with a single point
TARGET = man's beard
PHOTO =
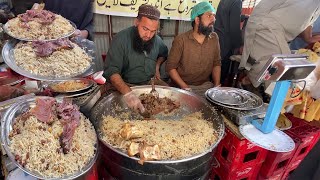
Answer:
(205, 30)
(139, 45)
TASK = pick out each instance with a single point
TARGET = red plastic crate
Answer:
(274, 177)
(93, 173)
(247, 173)
(277, 162)
(308, 136)
(290, 170)
(234, 153)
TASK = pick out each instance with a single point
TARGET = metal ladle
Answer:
(153, 91)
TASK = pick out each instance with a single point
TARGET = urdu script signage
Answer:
(170, 9)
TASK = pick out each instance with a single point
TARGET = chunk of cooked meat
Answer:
(133, 148)
(148, 152)
(42, 16)
(155, 105)
(46, 48)
(70, 119)
(129, 131)
(44, 109)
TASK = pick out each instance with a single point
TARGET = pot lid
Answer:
(276, 141)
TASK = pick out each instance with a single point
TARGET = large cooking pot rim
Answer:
(220, 129)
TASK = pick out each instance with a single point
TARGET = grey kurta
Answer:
(271, 26)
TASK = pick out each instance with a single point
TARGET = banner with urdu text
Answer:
(170, 9)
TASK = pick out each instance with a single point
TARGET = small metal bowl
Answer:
(88, 83)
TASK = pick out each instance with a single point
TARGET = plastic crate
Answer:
(92, 174)
(247, 173)
(276, 162)
(274, 177)
(303, 149)
(290, 170)
(234, 153)
(307, 134)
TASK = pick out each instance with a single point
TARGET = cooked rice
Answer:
(46, 159)
(178, 139)
(58, 28)
(71, 85)
(61, 63)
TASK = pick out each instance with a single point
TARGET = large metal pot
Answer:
(121, 166)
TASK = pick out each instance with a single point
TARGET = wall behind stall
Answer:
(168, 29)
(107, 26)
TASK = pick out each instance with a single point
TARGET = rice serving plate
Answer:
(9, 59)
(5, 29)
(7, 125)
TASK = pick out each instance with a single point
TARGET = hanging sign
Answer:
(169, 9)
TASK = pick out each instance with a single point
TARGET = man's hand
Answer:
(81, 33)
(157, 75)
(187, 89)
(133, 102)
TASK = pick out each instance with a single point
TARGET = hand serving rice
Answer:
(59, 58)
(53, 139)
(39, 25)
(160, 139)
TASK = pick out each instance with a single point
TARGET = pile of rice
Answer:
(58, 28)
(36, 146)
(178, 139)
(61, 63)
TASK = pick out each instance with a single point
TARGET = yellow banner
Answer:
(170, 9)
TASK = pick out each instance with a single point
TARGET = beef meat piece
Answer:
(42, 16)
(43, 48)
(44, 109)
(67, 135)
(70, 118)
(46, 48)
(155, 105)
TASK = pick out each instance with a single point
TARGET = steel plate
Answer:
(6, 126)
(228, 95)
(6, 30)
(8, 56)
(253, 102)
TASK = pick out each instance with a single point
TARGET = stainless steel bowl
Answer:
(6, 126)
(189, 103)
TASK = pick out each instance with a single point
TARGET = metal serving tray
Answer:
(253, 102)
(6, 30)
(6, 126)
(8, 56)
